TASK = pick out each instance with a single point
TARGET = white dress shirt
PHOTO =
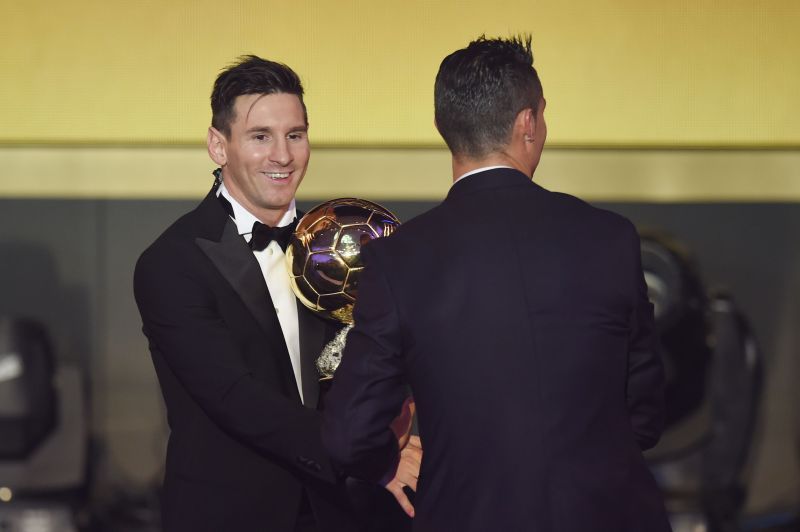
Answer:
(273, 267)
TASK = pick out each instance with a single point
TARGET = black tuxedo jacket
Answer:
(242, 446)
(520, 319)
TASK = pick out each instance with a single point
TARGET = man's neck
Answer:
(463, 165)
(270, 217)
(244, 218)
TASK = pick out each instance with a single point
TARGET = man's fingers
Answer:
(412, 452)
(396, 489)
(413, 459)
(410, 459)
(408, 477)
(408, 468)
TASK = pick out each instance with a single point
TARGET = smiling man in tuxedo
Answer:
(233, 351)
(519, 317)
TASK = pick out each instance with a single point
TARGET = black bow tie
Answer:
(262, 235)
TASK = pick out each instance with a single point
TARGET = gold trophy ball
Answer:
(324, 254)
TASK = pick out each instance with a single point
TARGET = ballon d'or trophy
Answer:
(324, 262)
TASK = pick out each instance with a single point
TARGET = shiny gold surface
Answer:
(324, 255)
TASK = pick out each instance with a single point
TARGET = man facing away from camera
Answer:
(233, 351)
(519, 317)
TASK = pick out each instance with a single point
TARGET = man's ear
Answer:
(216, 146)
(525, 124)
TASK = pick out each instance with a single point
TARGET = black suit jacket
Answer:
(520, 319)
(242, 447)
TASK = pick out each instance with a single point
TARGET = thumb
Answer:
(396, 489)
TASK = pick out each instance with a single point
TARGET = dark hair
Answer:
(480, 90)
(250, 75)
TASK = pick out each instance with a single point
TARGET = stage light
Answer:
(682, 326)
(27, 396)
(712, 394)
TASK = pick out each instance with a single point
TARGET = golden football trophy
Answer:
(324, 263)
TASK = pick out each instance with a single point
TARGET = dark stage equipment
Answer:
(714, 381)
(27, 396)
(43, 432)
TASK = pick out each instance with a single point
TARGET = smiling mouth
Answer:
(277, 176)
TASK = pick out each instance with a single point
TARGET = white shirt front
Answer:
(273, 267)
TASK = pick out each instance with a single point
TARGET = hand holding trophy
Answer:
(324, 262)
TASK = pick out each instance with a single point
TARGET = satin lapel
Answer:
(312, 340)
(238, 265)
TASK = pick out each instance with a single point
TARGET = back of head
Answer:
(250, 75)
(480, 90)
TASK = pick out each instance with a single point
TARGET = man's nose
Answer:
(280, 153)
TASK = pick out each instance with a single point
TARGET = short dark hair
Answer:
(250, 74)
(480, 90)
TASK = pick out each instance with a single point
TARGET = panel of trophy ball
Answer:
(351, 238)
(383, 223)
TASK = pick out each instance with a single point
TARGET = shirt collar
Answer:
(478, 170)
(244, 219)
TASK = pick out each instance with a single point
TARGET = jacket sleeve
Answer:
(368, 387)
(645, 385)
(185, 329)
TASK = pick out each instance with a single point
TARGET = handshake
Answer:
(410, 458)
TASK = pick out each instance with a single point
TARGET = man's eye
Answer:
(295, 136)
(260, 138)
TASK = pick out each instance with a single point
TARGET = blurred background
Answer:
(682, 116)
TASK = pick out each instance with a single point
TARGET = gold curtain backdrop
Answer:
(616, 72)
